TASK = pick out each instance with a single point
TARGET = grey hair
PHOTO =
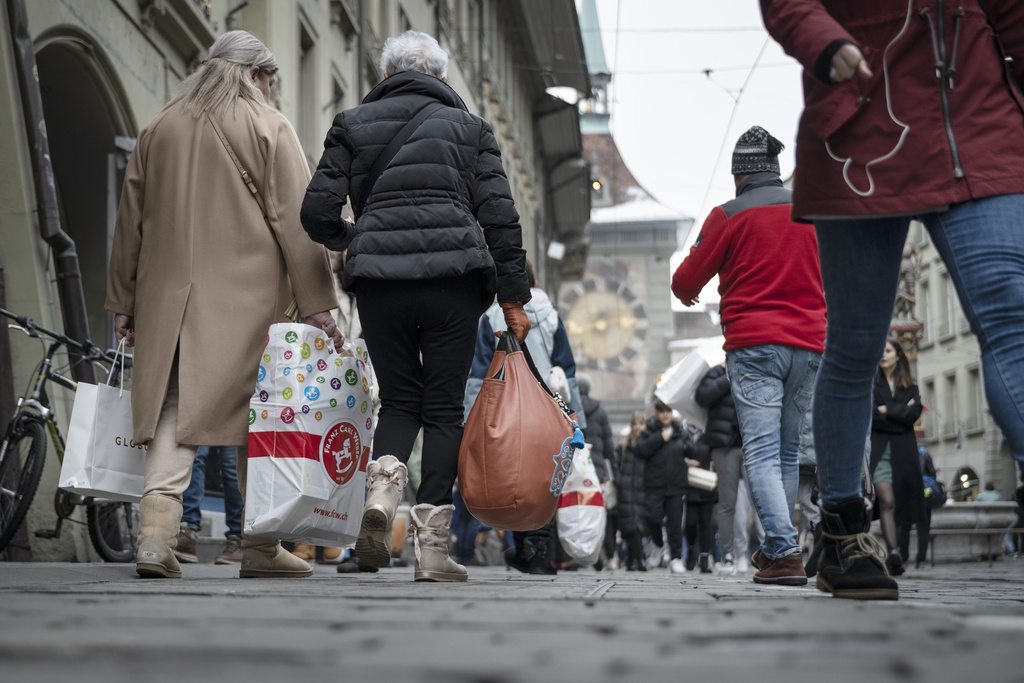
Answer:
(414, 51)
(224, 76)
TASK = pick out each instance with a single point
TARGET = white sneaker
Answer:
(742, 565)
(727, 567)
(676, 566)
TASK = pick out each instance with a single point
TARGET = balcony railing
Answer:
(949, 429)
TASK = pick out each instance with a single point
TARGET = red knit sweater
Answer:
(770, 280)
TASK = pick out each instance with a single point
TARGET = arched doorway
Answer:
(91, 132)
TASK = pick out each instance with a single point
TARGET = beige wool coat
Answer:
(196, 264)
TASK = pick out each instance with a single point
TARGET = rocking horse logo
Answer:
(563, 466)
(340, 452)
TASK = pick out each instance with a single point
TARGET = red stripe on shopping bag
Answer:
(580, 498)
(284, 445)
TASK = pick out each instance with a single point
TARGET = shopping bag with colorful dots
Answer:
(310, 426)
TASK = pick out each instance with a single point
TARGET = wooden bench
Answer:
(987, 533)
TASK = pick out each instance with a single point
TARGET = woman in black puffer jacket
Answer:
(423, 271)
(629, 482)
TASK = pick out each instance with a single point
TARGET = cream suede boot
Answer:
(386, 478)
(264, 558)
(159, 517)
(431, 529)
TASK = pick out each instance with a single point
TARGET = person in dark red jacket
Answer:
(773, 318)
(913, 109)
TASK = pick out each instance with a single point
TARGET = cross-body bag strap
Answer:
(292, 312)
(389, 153)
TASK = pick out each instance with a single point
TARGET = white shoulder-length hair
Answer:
(225, 75)
(414, 51)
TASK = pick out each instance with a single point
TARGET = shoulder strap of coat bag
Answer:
(292, 312)
(389, 153)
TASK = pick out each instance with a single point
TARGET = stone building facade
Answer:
(106, 67)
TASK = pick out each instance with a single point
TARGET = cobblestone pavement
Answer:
(94, 622)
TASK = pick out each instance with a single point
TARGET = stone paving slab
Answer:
(96, 622)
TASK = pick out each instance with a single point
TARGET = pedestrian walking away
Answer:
(424, 176)
(197, 275)
(773, 317)
(912, 109)
(722, 436)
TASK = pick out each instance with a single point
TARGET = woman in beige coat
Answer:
(197, 275)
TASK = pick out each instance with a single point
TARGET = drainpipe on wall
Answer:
(65, 258)
(361, 52)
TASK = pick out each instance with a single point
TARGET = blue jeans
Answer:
(233, 503)
(982, 244)
(772, 387)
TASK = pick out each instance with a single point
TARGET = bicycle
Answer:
(113, 526)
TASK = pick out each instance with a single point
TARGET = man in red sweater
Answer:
(773, 318)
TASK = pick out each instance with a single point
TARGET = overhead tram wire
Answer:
(728, 126)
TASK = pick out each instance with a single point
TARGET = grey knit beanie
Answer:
(756, 152)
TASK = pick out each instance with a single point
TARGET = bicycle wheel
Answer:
(113, 528)
(20, 471)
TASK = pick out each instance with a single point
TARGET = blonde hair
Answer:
(414, 51)
(224, 76)
(637, 416)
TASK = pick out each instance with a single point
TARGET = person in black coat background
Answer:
(722, 436)
(895, 463)
(630, 513)
(699, 507)
(664, 446)
(598, 433)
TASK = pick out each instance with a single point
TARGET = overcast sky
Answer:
(670, 120)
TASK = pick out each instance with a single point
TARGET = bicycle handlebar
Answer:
(92, 351)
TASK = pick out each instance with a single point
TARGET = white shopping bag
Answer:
(581, 516)
(310, 426)
(679, 383)
(101, 458)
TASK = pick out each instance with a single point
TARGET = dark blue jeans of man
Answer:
(981, 243)
(193, 496)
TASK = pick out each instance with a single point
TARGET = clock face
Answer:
(606, 323)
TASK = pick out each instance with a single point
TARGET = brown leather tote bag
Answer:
(517, 445)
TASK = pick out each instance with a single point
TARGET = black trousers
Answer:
(420, 335)
(699, 527)
(610, 532)
(667, 509)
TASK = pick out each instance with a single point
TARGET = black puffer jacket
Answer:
(423, 218)
(715, 393)
(629, 485)
(665, 469)
(598, 434)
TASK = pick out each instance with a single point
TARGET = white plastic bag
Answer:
(310, 426)
(101, 458)
(581, 516)
(679, 383)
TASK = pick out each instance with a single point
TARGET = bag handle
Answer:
(509, 344)
(389, 153)
(118, 353)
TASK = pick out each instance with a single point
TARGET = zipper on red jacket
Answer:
(944, 72)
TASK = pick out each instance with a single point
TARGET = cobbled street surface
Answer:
(95, 622)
